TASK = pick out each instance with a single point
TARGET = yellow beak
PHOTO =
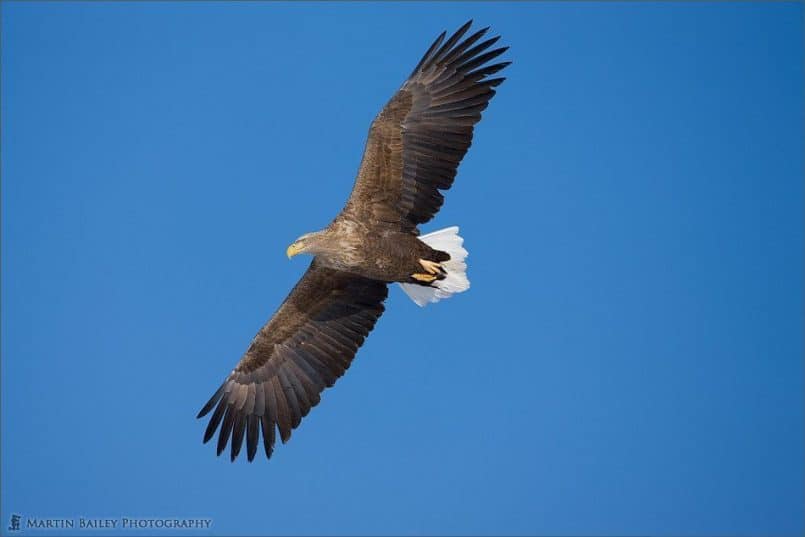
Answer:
(293, 250)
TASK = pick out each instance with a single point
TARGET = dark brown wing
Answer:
(418, 140)
(303, 349)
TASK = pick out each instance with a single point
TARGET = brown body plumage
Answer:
(414, 147)
(380, 254)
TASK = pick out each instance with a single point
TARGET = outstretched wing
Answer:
(303, 349)
(417, 141)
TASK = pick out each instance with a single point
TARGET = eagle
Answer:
(412, 152)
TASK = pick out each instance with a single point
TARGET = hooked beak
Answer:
(293, 249)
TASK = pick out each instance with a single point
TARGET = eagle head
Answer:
(306, 244)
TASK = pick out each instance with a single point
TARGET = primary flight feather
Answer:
(414, 147)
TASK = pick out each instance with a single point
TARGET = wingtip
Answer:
(206, 408)
(496, 81)
(211, 402)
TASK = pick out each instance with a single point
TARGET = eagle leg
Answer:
(432, 267)
(425, 278)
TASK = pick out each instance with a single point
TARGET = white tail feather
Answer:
(445, 240)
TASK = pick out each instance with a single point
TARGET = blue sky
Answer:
(629, 359)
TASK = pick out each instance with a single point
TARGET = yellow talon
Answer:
(427, 278)
(431, 266)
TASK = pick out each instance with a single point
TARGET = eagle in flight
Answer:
(414, 147)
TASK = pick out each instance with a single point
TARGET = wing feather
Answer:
(417, 141)
(306, 346)
(226, 428)
(252, 435)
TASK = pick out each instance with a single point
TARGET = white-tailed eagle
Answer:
(414, 147)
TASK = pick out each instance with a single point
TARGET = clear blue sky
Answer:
(628, 360)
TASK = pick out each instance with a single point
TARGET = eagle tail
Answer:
(455, 281)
